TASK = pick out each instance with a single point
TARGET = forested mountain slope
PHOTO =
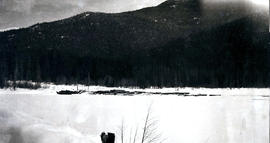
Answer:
(173, 44)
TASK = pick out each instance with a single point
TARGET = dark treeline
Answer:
(231, 55)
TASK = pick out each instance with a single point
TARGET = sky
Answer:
(22, 13)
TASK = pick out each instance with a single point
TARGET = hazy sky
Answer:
(21, 13)
(17, 13)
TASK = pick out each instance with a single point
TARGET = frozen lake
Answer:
(45, 117)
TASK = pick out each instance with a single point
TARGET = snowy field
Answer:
(42, 116)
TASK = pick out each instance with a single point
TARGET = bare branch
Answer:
(145, 129)
(150, 133)
(135, 135)
(122, 132)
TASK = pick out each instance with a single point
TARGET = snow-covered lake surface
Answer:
(42, 116)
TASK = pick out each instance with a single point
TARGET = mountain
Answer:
(173, 44)
(230, 55)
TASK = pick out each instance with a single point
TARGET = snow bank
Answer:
(50, 89)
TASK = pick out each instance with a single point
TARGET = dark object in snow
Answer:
(107, 138)
(130, 93)
(200, 95)
(118, 92)
(69, 92)
(171, 93)
(214, 95)
(183, 93)
(115, 92)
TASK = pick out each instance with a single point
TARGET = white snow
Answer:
(42, 116)
(8, 29)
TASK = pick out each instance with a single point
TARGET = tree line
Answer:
(232, 55)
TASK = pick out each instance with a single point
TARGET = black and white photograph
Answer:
(134, 71)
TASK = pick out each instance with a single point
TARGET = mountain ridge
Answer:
(157, 46)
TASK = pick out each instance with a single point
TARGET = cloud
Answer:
(22, 13)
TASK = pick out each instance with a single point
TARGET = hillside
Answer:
(173, 44)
